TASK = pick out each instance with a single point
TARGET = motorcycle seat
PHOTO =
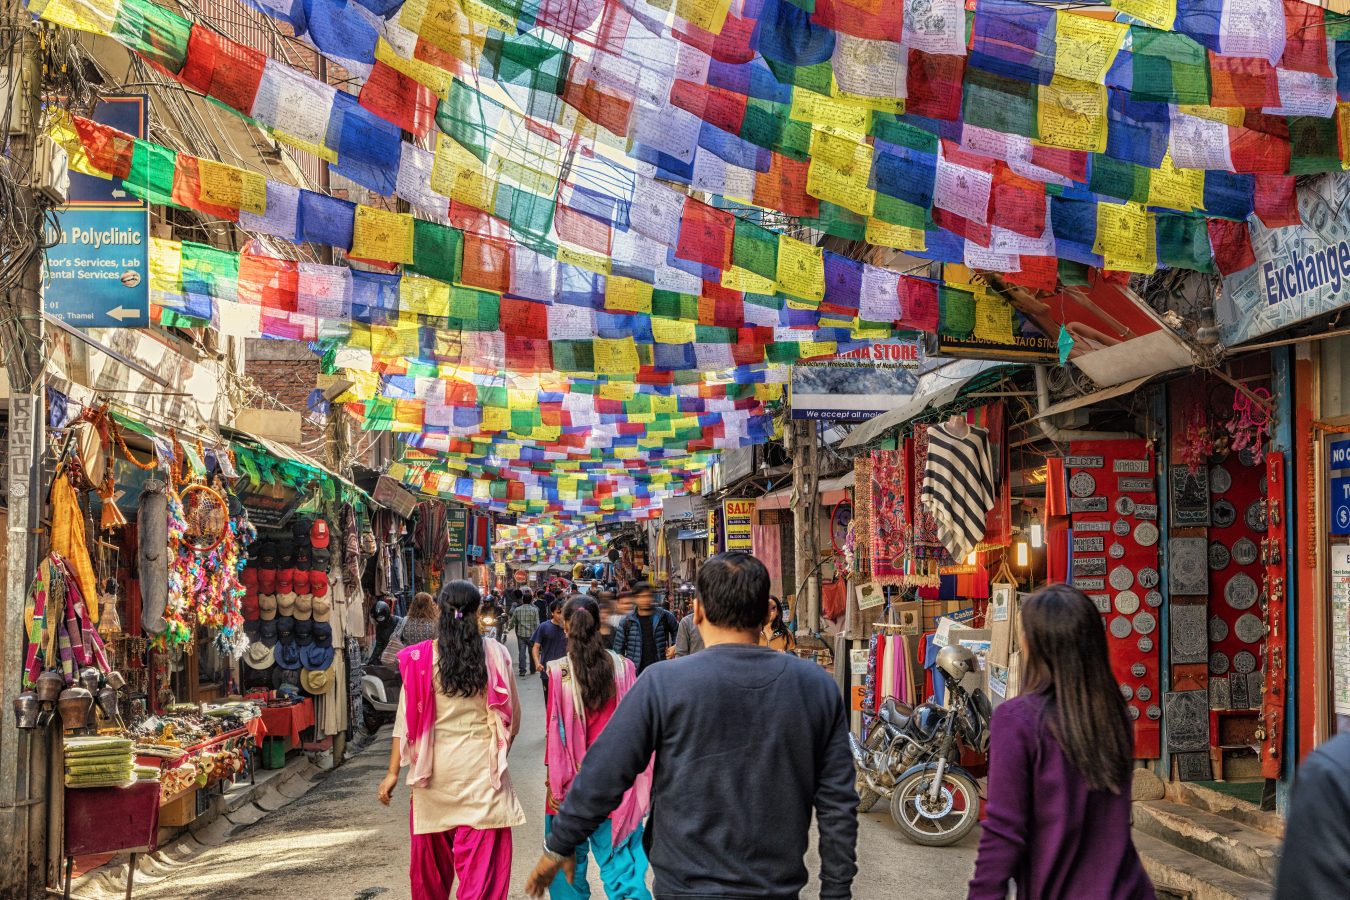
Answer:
(894, 714)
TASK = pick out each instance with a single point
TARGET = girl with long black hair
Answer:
(457, 716)
(1057, 821)
(584, 689)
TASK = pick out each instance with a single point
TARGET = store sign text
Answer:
(1321, 267)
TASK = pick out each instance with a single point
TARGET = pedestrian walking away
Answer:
(741, 830)
(647, 634)
(524, 621)
(1057, 821)
(420, 624)
(1315, 861)
(584, 689)
(457, 716)
(549, 642)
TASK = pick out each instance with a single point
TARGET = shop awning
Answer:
(538, 567)
(290, 454)
(935, 390)
(1095, 397)
(831, 491)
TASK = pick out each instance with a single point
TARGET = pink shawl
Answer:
(419, 698)
(566, 745)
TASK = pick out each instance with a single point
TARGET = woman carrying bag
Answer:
(1058, 815)
(457, 716)
(584, 689)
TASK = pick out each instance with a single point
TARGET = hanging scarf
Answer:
(566, 743)
(68, 536)
(417, 668)
(61, 633)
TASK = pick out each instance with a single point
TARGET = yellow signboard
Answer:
(737, 517)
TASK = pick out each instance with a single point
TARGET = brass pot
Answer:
(89, 678)
(74, 707)
(49, 686)
(26, 710)
(107, 703)
(115, 680)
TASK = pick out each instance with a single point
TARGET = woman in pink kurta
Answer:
(457, 716)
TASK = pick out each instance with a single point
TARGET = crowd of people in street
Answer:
(644, 709)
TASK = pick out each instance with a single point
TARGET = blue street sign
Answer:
(1340, 506)
(99, 275)
(1339, 454)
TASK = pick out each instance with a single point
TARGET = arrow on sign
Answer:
(121, 313)
(119, 193)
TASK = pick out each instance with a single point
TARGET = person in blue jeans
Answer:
(549, 642)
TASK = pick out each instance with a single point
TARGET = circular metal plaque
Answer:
(1218, 630)
(1145, 622)
(1120, 627)
(1244, 551)
(1244, 662)
(1148, 578)
(1146, 534)
(1250, 456)
(1132, 712)
(1224, 514)
(1120, 528)
(1127, 603)
(1154, 711)
(1219, 480)
(1124, 505)
(1145, 644)
(1121, 578)
(1116, 550)
(1127, 692)
(1153, 599)
(1082, 484)
(1240, 592)
(1138, 670)
(1256, 517)
(1143, 694)
(1249, 628)
(1218, 556)
(1218, 663)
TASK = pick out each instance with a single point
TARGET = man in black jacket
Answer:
(1315, 861)
(748, 742)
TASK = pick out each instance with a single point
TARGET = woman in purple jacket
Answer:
(1058, 815)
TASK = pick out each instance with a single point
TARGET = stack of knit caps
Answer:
(100, 761)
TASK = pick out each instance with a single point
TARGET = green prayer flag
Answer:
(755, 249)
(438, 250)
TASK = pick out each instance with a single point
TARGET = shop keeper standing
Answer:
(457, 716)
(1058, 816)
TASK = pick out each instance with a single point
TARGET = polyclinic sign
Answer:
(738, 516)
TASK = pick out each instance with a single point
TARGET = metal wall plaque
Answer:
(1087, 504)
(1193, 766)
(1089, 565)
(1090, 584)
(1188, 634)
(1101, 601)
(1146, 511)
(1130, 465)
(1188, 493)
(1089, 544)
(1188, 567)
(1254, 689)
(1187, 721)
(1237, 691)
(1092, 525)
(1135, 485)
(1218, 693)
(1085, 462)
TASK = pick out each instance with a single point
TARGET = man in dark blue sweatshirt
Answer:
(747, 742)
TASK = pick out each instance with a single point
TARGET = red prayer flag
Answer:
(1276, 201)
(187, 190)
(582, 230)
(1232, 245)
(732, 45)
(1039, 273)
(398, 99)
(487, 263)
(1305, 43)
(934, 85)
(884, 25)
(722, 108)
(268, 282)
(222, 68)
(606, 108)
(783, 187)
(1242, 81)
(108, 149)
(705, 235)
(918, 304)
(1018, 203)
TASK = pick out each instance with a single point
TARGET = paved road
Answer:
(338, 842)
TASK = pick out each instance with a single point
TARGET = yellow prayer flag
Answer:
(840, 169)
(831, 112)
(665, 405)
(1072, 115)
(319, 150)
(495, 419)
(423, 296)
(1234, 116)
(408, 415)
(817, 349)
(871, 331)
(1085, 47)
(1173, 188)
(437, 79)
(447, 25)
(1158, 13)
(710, 15)
(900, 237)
(1343, 129)
(627, 295)
(62, 131)
(95, 16)
(615, 355)
(382, 235)
(223, 185)
(456, 173)
(672, 331)
(591, 262)
(993, 319)
(801, 269)
(738, 279)
(166, 265)
(617, 390)
(1126, 237)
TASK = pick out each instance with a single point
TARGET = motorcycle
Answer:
(912, 757)
(380, 689)
(487, 625)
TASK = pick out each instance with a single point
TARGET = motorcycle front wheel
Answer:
(938, 824)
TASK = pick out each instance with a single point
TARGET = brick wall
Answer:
(287, 371)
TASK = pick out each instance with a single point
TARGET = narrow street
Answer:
(337, 841)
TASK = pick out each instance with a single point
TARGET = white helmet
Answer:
(956, 661)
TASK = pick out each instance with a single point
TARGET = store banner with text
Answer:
(857, 385)
(738, 517)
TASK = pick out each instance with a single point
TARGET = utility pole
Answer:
(24, 755)
(805, 502)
